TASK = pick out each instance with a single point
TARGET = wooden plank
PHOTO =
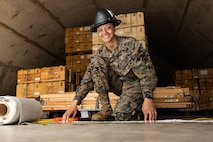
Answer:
(174, 105)
(66, 94)
(56, 99)
(58, 107)
(170, 100)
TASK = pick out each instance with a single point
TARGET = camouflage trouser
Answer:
(127, 87)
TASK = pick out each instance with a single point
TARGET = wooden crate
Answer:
(77, 47)
(206, 95)
(188, 83)
(82, 38)
(137, 32)
(54, 73)
(170, 92)
(186, 74)
(131, 19)
(78, 63)
(28, 90)
(82, 29)
(55, 87)
(195, 94)
(28, 75)
(206, 83)
(78, 59)
(78, 39)
(205, 73)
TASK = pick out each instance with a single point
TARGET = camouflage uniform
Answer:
(127, 71)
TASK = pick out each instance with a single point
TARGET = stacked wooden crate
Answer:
(78, 47)
(28, 83)
(205, 76)
(132, 25)
(31, 83)
(200, 82)
(189, 79)
(173, 97)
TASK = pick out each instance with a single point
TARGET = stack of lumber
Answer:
(164, 97)
(62, 101)
(56, 101)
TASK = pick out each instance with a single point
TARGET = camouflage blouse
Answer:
(128, 55)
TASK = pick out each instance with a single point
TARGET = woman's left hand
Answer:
(149, 110)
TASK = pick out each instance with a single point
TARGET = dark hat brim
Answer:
(115, 23)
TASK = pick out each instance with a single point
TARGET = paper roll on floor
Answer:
(14, 110)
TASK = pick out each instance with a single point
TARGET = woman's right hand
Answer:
(71, 111)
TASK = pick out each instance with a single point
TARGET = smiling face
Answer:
(106, 32)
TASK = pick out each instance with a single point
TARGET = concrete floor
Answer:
(109, 132)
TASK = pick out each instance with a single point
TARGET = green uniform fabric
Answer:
(127, 71)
